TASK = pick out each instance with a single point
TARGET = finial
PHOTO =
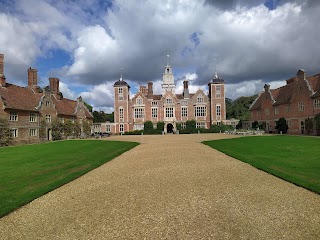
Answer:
(121, 74)
(168, 60)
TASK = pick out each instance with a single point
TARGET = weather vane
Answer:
(168, 60)
(121, 74)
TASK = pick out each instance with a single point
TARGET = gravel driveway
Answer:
(170, 187)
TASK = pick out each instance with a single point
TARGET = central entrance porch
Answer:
(170, 128)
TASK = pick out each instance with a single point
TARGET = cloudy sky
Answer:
(86, 43)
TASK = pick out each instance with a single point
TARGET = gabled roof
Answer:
(284, 94)
(65, 106)
(314, 82)
(256, 105)
(20, 98)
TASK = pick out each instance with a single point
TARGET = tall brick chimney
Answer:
(32, 77)
(54, 85)
(301, 74)
(186, 89)
(150, 89)
(1, 63)
(143, 89)
(2, 77)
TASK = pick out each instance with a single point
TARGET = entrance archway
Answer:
(169, 128)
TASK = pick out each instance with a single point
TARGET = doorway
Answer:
(169, 128)
(302, 127)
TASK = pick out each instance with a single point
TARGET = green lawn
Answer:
(295, 159)
(27, 172)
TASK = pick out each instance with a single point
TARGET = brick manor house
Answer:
(168, 107)
(26, 107)
(297, 100)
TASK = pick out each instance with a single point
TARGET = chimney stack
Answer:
(266, 87)
(301, 74)
(1, 63)
(2, 77)
(186, 89)
(32, 77)
(143, 89)
(150, 89)
(54, 85)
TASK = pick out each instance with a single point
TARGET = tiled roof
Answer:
(20, 98)
(65, 106)
(258, 102)
(284, 94)
(156, 97)
(314, 82)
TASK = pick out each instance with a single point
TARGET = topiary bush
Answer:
(282, 126)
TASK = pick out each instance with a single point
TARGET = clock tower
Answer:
(168, 79)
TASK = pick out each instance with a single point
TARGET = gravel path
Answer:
(170, 187)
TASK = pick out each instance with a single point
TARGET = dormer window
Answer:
(139, 101)
(200, 99)
(169, 101)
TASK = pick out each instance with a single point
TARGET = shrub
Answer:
(76, 129)
(134, 132)
(148, 127)
(239, 125)
(254, 125)
(86, 128)
(215, 128)
(317, 123)
(43, 129)
(57, 128)
(5, 136)
(160, 126)
(309, 125)
(191, 126)
(282, 126)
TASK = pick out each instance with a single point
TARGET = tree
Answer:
(86, 128)
(5, 136)
(88, 106)
(309, 125)
(99, 117)
(282, 126)
(317, 123)
(229, 108)
(57, 129)
(110, 117)
(239, 108)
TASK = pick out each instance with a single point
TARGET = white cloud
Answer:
(66, 91)
(244, 41)
(100, 96)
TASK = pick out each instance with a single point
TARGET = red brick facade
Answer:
(170, 108)
(26, 107)
(296, 101)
